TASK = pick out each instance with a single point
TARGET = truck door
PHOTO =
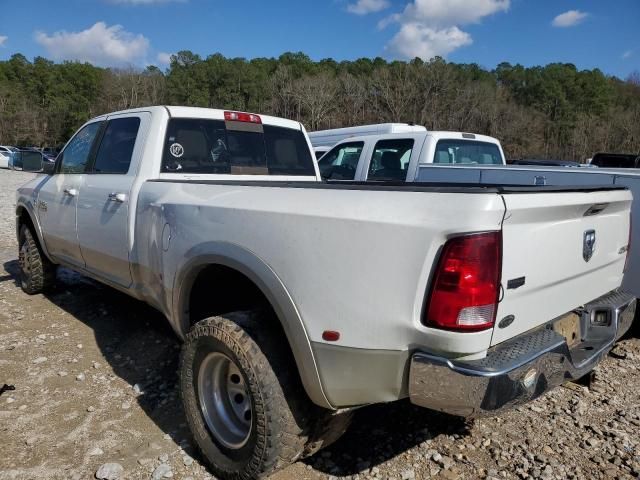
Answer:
(105, 205)
(58, 197)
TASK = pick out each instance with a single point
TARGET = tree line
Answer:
(555, 111)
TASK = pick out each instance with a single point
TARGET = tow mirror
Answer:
(48, 168)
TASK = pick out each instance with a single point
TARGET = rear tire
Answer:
(37, 272)
(247, 427)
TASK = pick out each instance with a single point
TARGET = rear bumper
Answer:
(521, 369)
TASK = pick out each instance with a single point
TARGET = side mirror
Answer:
(48, 168)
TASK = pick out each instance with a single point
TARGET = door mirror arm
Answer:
(48, 168)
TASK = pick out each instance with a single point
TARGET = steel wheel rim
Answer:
(224, 400)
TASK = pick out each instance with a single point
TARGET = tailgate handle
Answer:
(595, 209)
(515, 283)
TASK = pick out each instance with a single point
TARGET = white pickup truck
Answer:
(374, 153)
(299, 299)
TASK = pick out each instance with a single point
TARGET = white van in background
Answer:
(328, 138)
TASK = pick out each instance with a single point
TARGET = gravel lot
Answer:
(95, 379)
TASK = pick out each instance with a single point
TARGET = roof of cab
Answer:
(218, 114)
(206, 113)
(439, 135)
(443, 134)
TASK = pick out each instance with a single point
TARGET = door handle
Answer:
(71, 192)
(117, 197)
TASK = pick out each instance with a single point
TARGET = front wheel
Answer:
(37, 272)
(242, 396)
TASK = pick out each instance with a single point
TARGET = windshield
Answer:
(467, 152)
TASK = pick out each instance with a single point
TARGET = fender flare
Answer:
(249, 264)
(29, 210)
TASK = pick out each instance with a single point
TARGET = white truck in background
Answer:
(393, 152)
(299, 299)
(324, 140)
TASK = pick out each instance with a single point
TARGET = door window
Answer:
(116, 146)
(341, 162)
(390, 160)
(76, 155)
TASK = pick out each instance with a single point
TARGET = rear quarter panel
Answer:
(356, 261)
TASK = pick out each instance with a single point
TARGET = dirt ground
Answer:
(95, 383)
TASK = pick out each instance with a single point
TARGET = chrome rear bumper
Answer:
(521, 369)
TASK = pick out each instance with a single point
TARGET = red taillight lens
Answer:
(242, 117)
(465, 290)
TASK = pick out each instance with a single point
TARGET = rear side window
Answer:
(76, 154)
(341, 162)
(467, 152)
(219, 147)
(116, 147)
(390, 160)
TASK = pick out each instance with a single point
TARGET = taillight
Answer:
(242, 117)
(466, 285)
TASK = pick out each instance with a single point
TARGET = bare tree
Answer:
(316, 97)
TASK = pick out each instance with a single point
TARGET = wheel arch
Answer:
(249, 265)
(26, 216)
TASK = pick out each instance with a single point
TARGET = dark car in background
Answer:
(616, 160)
(543, 162)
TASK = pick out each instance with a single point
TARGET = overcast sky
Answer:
(590, 33)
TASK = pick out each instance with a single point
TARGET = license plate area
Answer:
(569, 327)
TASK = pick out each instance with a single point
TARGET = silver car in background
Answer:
(6, 156)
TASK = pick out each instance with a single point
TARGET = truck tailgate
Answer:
(548, 266)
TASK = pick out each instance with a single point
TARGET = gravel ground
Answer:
(96, 393)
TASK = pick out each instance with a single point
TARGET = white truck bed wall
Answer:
(553, 176)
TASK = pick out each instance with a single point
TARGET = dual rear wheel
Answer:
(244, 400)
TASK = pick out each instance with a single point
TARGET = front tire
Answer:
(37, 272)
(242, 396)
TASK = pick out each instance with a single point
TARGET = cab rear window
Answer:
(467, 152)
(219, 147)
